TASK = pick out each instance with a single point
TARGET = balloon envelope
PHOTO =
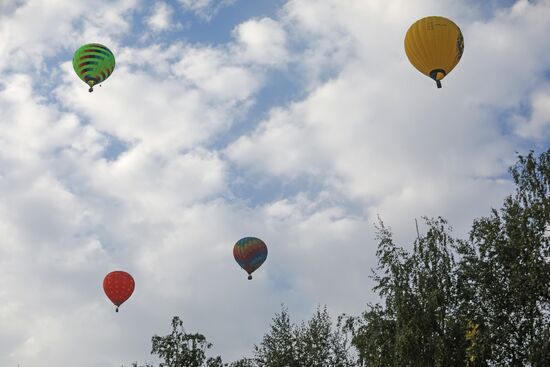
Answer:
(93, 63)
(250, 253)
(118, 286)
(434, 46)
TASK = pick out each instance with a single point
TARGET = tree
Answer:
(419, 325)
(341, 355)
(321, 344)
(278, 348)
(373, 336)
(313, 342)
(180, 349)
(505, 272)
(316, 343)
(244, 362)
(479, 302)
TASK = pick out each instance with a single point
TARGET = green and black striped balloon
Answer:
(93, 63)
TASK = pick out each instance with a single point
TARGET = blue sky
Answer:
(295, 121)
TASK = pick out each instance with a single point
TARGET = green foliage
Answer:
(215, 362)
(180, 349)
(278, 348)
(373, 337)
(420, 323)
(320, 344)
(505, 272)
(313, 341)
(489, 308)
(244, 362)
(317, 343)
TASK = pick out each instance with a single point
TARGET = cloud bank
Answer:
(163, 168)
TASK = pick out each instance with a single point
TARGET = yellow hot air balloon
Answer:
(434, 46)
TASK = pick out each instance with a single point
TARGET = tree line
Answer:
(476, 302)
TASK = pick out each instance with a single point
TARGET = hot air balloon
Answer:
(93, 63)
(434, 46)
(250, 253)
(118, 286)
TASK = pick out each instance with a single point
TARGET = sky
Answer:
(295, 121)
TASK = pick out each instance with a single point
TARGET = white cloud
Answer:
(370, 136)
(504, 65)
(362, 133)
(155, 58)
(161, 19)
(165, 116)
(205, 8)
(261, 41)
(7, 6)
(282, 136)
(537, 125)
(27, 35)
(212, 71)
(40, 29)
(49, 254)
(157, 182)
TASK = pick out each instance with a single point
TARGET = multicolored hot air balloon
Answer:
(434, 46)
(250, 253)
(93, 63)
(118, 286)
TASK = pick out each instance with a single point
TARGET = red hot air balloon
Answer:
(118, 286)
